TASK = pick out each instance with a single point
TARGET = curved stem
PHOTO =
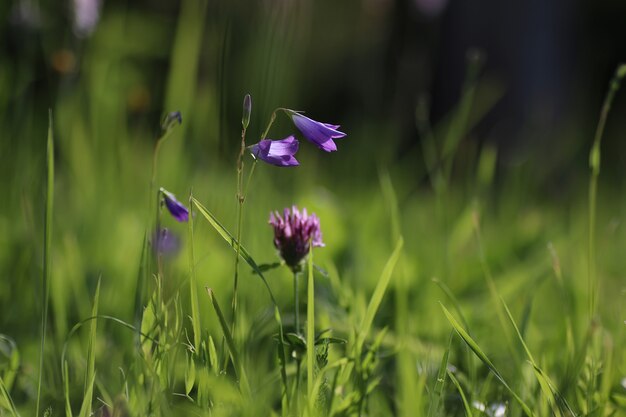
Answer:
(296, 303)
(271, 122)
(594, 164)
(240, 201)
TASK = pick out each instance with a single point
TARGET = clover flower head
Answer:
(321, 134)
(276, 152)
(294, 233)
(175, 207)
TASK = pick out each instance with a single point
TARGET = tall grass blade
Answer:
(66, 389)
(193, 285)
(310, 327)
(547, 387)
(230, 239)
(85, 409)
(594, 165)
(240, 373)
(377, 297)
(90, 375)
(7, 401)
(45, 278)
(466, 405)
(435, 404)
(483, 357)
(493, 291)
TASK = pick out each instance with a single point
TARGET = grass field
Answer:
(445, 287)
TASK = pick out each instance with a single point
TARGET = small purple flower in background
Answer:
(166, 242)
(175, 207)
(321, 134)
(86, 16)
(292, 234)
(277, 152)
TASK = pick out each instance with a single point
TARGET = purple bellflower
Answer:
(276, 152)
(321, 134)
(167, 243)
(175, 207)
(293, 233)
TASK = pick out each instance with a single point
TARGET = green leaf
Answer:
(435, 404)
(268, 267)
(241, 375)
(377, 297)
(45, 277)
(7, 401)
(466, 405)
(230, 239)
(483, 357)
(90, 375)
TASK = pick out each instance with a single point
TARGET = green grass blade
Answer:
(90, 375)
(466, 405)
(453, 299)
(541, 377)
(230, 239)
(433, 408)
(594, 165)
(245, 255)
(377, 297)
(7, 401)
(310, 327)
(241, 375)
(66, 389)
(193, 286)
(483, 357)
(45, 278)
(85, 409)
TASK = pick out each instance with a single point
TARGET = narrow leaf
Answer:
(241, 375)
(483, 357)
(377, 297)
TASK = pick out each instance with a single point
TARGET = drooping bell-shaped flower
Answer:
(294, 234)
(276, 152)
(321, 134)
(166, 242)
(175, 207)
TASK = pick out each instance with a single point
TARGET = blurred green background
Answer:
(393, 74)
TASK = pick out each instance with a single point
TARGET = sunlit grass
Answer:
(436, 293)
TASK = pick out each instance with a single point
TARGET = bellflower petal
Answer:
(166, 242)
(292, 234)
(321, 134)
(175, 207)
(277, 152)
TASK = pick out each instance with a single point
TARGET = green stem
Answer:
(45, 277)
(240, 202)
(310, 326)
(271, 122)
(296, 303)
(594, 164)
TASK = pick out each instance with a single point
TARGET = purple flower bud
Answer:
(171, 120)
(292, 234)
(321, 134)
(247, 109)
(175, 207)
(86, 16)
(166, 242)
(276, 152)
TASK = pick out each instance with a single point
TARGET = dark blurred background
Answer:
(366, 64)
